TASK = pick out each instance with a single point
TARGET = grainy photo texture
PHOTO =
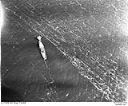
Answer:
(64, 51)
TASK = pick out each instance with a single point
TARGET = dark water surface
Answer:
(86, 45)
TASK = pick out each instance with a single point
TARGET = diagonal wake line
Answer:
(84, 69)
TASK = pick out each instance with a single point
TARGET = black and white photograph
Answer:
(64, 51)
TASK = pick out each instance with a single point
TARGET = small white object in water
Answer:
(41, 46)
(67, 94)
